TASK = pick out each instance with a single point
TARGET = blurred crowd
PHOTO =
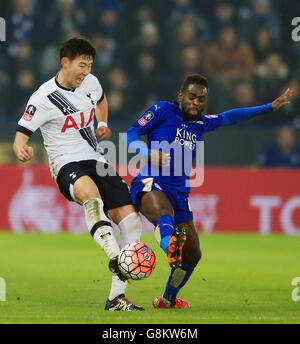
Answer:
(284, 152)
(145, 48)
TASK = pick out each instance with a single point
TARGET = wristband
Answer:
(101, 124)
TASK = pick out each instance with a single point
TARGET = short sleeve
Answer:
(34, 117)
(98, 90)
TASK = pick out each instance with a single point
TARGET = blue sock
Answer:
(176, 281)
(164, 228)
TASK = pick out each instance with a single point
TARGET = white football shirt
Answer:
(66, 119)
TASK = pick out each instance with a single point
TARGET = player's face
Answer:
(192, 101)
(77, 69)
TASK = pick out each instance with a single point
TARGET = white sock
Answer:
(130, 229)
(117, 287)
(99, 227)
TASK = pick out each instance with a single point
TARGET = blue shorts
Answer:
(179, 200)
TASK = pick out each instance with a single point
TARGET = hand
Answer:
(104, 133)
(25, 153)
(282, 100)
(157, 158)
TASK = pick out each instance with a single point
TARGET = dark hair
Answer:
(77, 46)
(194, 79)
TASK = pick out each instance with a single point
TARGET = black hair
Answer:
(77, 46)
(194, 79)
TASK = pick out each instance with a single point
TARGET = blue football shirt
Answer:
(167, 131)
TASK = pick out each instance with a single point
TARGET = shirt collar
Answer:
(71, 89)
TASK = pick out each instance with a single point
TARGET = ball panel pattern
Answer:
(137, 261)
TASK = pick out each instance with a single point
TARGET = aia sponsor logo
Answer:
(29, 113)
(70, 122)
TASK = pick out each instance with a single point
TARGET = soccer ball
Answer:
(136, 261)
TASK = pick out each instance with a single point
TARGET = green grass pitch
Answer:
(64, 278)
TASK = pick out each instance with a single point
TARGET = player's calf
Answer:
(191, 253)
(100, 227)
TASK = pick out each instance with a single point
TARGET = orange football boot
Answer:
(176, 244)
(158, 303)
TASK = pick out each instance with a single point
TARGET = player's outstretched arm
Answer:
(282, 100)
(23, 152)
(102, 131)
(236, 115)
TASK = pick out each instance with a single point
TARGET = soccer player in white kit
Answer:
(64, 109)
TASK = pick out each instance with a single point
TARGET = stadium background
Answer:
(144, 50)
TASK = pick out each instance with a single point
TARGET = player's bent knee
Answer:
(165, 211)
(159, 210)
(153, 214)
(153, 206)
(87, 196)
(85, 189)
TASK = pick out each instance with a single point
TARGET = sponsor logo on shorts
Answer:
(72, 175)
(156, 185)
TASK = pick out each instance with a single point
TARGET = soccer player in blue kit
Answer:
(162, 199)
